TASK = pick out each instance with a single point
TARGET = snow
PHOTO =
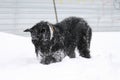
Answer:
(18, 60)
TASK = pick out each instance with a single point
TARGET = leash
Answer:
(55, 11)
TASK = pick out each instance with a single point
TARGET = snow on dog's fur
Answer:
(54, 41)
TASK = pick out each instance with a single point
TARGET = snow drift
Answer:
(18, 60)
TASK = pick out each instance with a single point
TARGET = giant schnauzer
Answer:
(55, 41)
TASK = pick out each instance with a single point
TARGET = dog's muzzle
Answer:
(48, 60)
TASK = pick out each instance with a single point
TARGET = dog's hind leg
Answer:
(84, 45)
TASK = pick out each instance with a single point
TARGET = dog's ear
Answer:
(27, 30)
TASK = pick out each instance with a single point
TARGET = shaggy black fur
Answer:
(50, 39)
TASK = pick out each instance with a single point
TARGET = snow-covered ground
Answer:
(18, 60)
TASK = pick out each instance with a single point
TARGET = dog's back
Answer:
(71, 23)
(77, 33)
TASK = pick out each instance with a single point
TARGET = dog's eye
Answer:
(42, 31)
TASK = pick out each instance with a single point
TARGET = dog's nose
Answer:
(45, 61)
(48, 59)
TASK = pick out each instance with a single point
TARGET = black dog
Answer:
(54, 41)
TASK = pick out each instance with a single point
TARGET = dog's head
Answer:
(42, 31)
(42, 34)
